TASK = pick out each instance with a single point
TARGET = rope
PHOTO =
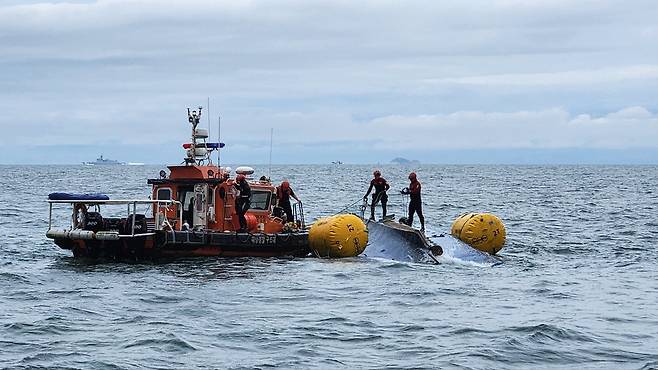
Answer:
(364, 206)
(347, 207)
(378, 198)
(278, 236)
(237, 235)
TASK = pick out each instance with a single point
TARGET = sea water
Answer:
(577, 286)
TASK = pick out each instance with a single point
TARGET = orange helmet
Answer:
(376, 173)
(239, 177)
(285, 184)
(412, 176)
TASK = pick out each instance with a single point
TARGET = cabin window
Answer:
(260, 200)
(163, 194)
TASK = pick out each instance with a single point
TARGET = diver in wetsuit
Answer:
(283, 194)
(415, 203)
(381, 186)
(242, 202)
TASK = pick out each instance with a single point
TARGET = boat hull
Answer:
(172, 244)
(392, 240)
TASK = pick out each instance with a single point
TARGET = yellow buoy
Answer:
(342, 235)
(482, 231)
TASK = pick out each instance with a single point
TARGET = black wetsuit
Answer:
(284, 201)
(381, 186)
(243, 202)
(415, 204)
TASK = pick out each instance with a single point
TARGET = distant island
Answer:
(400, 160)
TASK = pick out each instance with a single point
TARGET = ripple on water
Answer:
(165, 342)
(651, 365)
(39, 328)
(13, 278)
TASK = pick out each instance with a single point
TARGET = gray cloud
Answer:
(328, 72)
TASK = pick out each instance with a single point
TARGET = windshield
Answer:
(260, 200)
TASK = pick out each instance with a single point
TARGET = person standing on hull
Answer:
(415, 203)
(283, 194)
(242, 201)
(381, 186)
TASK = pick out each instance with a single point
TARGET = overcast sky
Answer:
(359, 81)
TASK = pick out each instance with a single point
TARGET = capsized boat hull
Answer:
(168, 244)
(392, 240)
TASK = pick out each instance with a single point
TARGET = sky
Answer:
(498, 81)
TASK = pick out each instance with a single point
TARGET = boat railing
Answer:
(298, 214)
(131, 206)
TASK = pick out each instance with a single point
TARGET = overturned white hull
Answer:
(391, 240)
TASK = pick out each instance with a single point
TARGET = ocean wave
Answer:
(170, 343)
(575, 290)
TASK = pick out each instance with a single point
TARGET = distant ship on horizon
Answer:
(100, 161)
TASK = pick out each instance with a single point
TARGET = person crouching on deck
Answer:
(283, 194)
(381, 186)
(242, 201)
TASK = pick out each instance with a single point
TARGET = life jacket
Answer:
(379, 183)
(414, 190)
(283, 194)
(244, 188)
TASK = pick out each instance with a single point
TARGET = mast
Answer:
(194, 120)
(219, 139)
(269, 170)
(208, 113)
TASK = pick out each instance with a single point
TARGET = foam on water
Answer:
(456, 251)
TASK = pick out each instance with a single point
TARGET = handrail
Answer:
(113, 201)
(134, 203)
(298, 212)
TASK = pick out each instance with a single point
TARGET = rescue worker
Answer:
(79, 215)
(283, 194)
(415, 203)
(381, 186)
(242, 200)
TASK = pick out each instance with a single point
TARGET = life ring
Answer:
(79, 215)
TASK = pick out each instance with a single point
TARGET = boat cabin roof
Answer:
(190, 175)
(194, 174)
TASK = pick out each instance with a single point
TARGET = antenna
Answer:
(219, 139)
(269, 171)
(208, 113)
